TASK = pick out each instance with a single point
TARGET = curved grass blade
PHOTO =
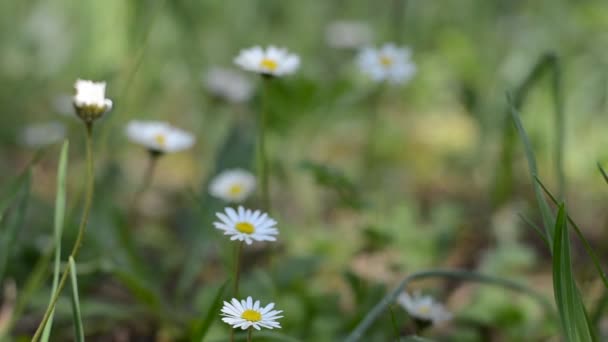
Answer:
(78, 329)
(60, 200)
(604, 174)
(579, 234)
(547, 215)
(573, 315)
(377, 310)
(202, 326)
(536, 228)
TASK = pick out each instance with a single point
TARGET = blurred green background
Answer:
(368, 183)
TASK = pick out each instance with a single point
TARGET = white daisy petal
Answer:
(272, 61)
(246, 225)
(158, 136)
(424, 308)
(388, 63)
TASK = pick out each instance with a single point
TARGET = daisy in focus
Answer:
(247, 313)
(228, 84)
(272, 61)
(42, 134)
(233, 186)
(159, 137)
(247, 225)
(389, 63)
(90, 100)
(424, 308)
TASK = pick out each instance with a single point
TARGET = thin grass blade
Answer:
(202, 326)
(78, 328)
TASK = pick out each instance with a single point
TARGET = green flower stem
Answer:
(369, 319)
(90, 185)
(262, 159)
(237, 275)
(147, 181)
(249, 332)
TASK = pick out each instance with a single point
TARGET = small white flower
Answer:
(424, 308)
(228, 84)
(348, 34)
(158, 136)
(42, 134)
(272, 61)
(389, 63)
(247, 313)
(247, 225)
(232, 185)
(90, 99)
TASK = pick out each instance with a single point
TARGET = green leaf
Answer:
(10, 226)
(60, 199)
(547, 215)
(78, 329)
(579, 233)
(202, 325)
(572, 312)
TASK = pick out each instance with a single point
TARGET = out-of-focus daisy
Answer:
(247, 225)
(159, 137)
(247, 313)
(424, 308)
(90, 100)
(228, 84)
(272, 61)
(389, 63)
(42, 134)
(348, 34)
(232, 185)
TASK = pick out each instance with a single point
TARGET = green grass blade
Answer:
(560, 123)
(60, 200)
(536, 228)
(547, 215)
(579, 234)
(78, 329)
(12, 224)
(202, 326)
(567, 297)
(604, 174)
(372, 316)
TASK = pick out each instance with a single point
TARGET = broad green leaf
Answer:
(203, 324)
(60, 199)
(78, 329)
(571, 309)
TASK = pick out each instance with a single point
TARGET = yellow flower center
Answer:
(251, 316)
(386, 61)
(424, 309)
(245, 227)
(269, 64)
(235, 189)
(160, 140)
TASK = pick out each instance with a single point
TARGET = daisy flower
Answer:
(247, 225)
(228, 84)
(90, 100)
(159, 137)
(272, 61)
(247, 313)
(389, 63)
(424, 308)
(42, 134)
(347, 34)
(233, 185)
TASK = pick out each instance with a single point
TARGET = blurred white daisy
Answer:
(348, 34)
(247, 313)
(247, 225)
(90, 100)
(272, 61)
(42, 134)
(228, 85)
(424, 308)
(233, 185)
(389, 63)
(158, 136)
